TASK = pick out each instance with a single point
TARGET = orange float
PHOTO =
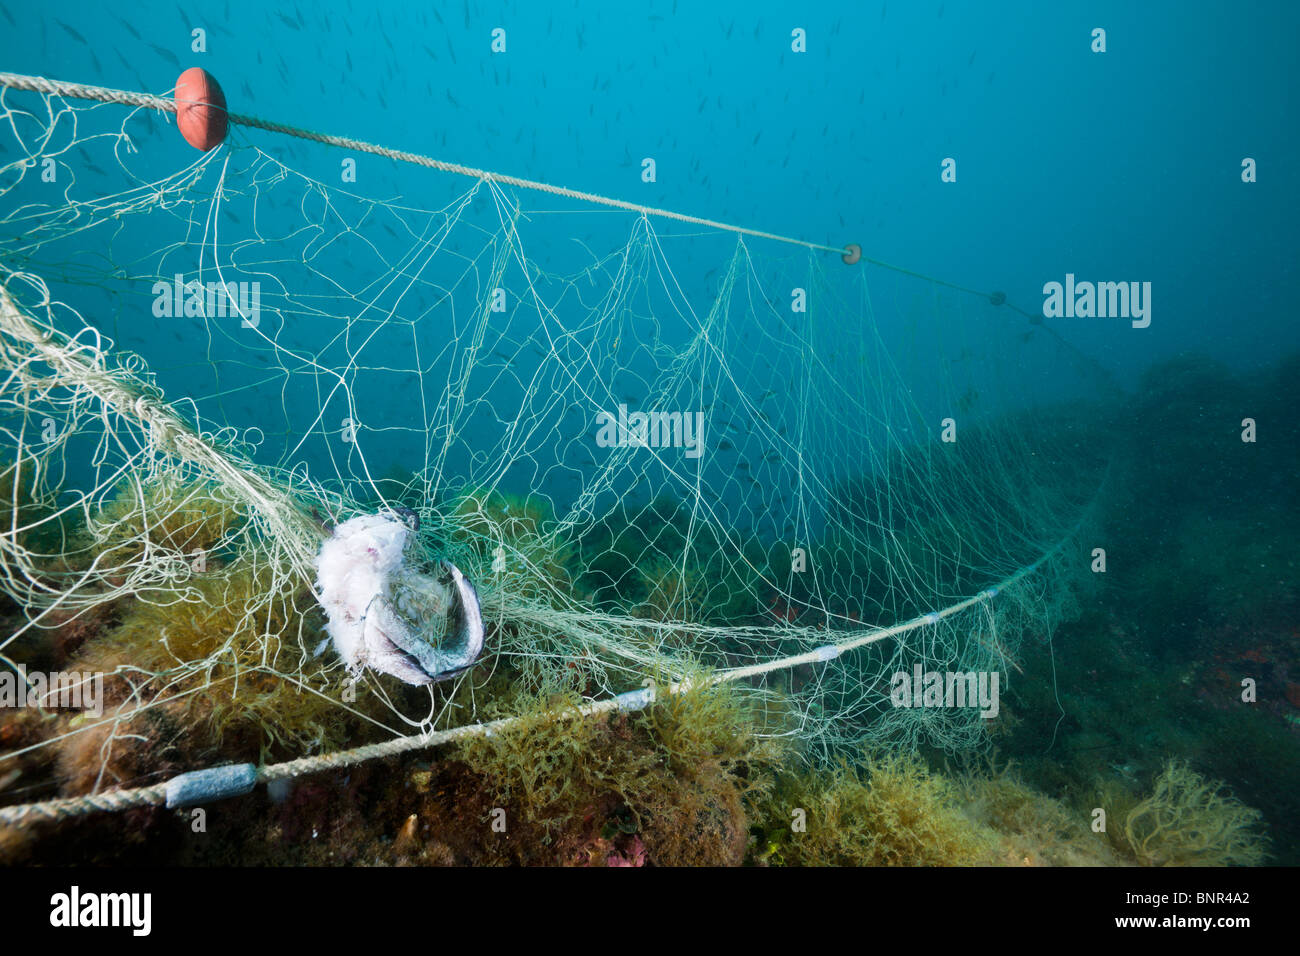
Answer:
(200, 109)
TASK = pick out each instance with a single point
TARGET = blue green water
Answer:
(1123, 165)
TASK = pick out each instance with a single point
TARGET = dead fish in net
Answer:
(389, 616)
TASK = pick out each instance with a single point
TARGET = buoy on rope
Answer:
(852, 253)
(200, 109)
(997, 298)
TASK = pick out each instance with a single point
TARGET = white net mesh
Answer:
(206, 369)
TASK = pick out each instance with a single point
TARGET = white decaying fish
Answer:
(383, 615)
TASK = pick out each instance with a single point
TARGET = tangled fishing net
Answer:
(208, 365)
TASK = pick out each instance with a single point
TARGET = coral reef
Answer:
(890, 812)
(24, 503)
(1190, 821)
(667, 784)
(662, 565)
(1205, 599)
(534, 559)
(200, 667)
(1152, 668)
(684, 786)
(1032, 828)
(672, 592)
(164, 517)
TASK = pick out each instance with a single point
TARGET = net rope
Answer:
(173, 462)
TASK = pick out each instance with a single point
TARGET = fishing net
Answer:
(660, 451)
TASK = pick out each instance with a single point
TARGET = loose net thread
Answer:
(373, 368)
